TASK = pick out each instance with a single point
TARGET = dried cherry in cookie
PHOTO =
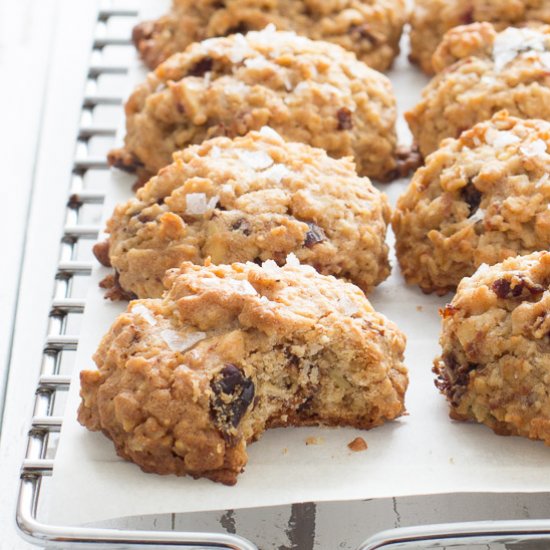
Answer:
(454, 379)
(315, 235)
(233, 394)
(345, 119)
(201, 67)
(471, 196)
(242, 225)
(516, 287)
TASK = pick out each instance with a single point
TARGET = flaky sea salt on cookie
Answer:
(308, 91)
(480, 72)
(185, 382)
(431, 19)
(495, 361)
(254, 198)
(479, 199)
(370, 28)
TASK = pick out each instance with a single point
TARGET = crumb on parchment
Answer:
(358, 444)
(314, 440)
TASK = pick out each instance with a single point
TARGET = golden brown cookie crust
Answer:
(186, 381)
(495, 362)
(369, 28)
(482, 72)
(250, 199)
(479, 199)
(431, 19)
(309, 92)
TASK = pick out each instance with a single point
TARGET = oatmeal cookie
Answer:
(495, 362)
(370, 28)
(479, 199)
(254, 198)
(431, 19)
(309, 92)
(185, 382)
(480, 72)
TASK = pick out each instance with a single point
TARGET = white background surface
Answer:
(39, 109)
(27, 32)
(26, 28)
(25, 41)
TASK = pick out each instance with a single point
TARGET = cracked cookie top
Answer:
(482, 71)
(253, 198)
(479, 199)
(308, 91)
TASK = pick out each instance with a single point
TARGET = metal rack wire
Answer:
(53, 382)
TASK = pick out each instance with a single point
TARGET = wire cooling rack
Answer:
(54, 379)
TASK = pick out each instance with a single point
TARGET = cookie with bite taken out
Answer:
(185, 382)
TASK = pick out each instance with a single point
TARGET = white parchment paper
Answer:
(422, 453)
